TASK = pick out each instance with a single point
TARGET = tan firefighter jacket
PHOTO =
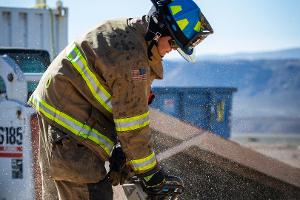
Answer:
(97, 90)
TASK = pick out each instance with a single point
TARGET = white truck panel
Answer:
(16, 144)
(14, 79)
(34, 28)
(16, 175)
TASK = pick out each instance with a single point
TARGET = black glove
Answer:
(159, 184)
(119, 172)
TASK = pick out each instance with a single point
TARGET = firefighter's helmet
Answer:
(183, 21)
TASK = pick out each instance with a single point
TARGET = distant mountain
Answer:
(270, 55)
(266, 89)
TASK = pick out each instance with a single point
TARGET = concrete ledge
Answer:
(172, 126)
(180, 143)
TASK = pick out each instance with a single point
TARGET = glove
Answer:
(159, 184)
(119, 172)
(153, 181)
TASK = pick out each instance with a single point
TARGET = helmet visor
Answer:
(206, 30)
(190, 57)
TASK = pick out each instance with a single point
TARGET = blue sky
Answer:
(240, 25)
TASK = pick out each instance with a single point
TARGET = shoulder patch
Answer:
(139, 74)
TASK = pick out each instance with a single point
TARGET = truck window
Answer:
(30, 61)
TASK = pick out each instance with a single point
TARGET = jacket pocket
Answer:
(74, 162)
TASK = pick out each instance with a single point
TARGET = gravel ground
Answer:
(285, 148)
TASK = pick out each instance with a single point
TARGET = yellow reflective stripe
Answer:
(144, 164)
(175, 9)
(132, 123)
(69, 123)
(81, 65)
(182, 23)
(51, 117)
(198, 26)
(132, 118)
(91, 73)
(72, 124)
(134, 127)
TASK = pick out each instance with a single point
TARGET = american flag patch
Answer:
(139, 74)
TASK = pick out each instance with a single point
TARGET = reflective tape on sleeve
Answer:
(132, 123)
(76, 127)
(80, 64)
(144, 164)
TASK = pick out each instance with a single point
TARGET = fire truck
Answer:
(18, 124)
(30, 38)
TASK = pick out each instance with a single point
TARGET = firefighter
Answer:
(95, 95)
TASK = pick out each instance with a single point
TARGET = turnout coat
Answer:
(96, 91)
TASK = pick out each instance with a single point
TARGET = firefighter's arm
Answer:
(131, 117)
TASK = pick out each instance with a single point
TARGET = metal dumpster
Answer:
(207, 108)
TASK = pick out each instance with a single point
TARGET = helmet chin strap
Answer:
(153, 42)
(156, 30)
(149, 50)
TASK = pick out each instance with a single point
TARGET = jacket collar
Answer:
(141, 25)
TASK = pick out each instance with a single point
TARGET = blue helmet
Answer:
(185, 23)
